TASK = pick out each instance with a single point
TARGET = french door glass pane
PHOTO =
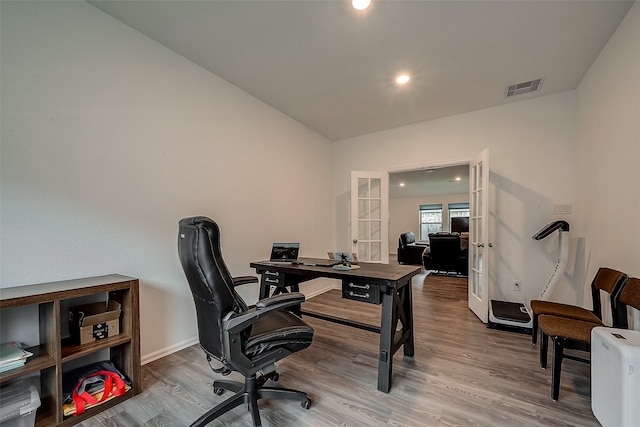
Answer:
(376, 251)
(363, 188)
(363, 209)
(376, 185)
(376, 230)
(376, 209)
(363, 250)
(363, 230)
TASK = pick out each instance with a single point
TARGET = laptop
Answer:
(284, 253)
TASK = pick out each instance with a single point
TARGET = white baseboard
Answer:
(168, 350)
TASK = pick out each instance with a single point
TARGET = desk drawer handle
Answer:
(365, 287)
(352, 294)
(271, 280)
(271, 273)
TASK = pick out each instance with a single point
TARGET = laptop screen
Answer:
(284, 252)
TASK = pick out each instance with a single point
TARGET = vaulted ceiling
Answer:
(332, 68)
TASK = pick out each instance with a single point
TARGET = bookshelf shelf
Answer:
(54, 355)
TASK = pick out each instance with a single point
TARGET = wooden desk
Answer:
(386, 284)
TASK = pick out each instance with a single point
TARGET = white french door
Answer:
(478, 236)
(370, 215)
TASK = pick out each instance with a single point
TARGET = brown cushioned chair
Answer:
(575, 334)
(606, 279)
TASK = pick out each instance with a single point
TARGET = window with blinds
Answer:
(430, 220)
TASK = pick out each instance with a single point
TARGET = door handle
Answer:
(481, 245)
(355, 240)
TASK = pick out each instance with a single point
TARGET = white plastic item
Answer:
(18, 404)
(615, 376)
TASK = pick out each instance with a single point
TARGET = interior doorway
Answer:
(421, 186)
(466, 182)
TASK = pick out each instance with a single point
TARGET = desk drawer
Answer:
(273, 278)
(361, 292)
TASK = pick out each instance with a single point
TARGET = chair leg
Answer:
(282, 394)
(229, 404)
(558, 354)
(534, 329)
(544, 347)
(249, 394)
(233, 386)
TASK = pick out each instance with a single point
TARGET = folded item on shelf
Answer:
(12, 352)
(91, 385)
(73, 409)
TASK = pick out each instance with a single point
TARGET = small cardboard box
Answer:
(92, 322)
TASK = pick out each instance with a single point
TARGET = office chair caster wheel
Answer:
(306, 404)
(218, 391)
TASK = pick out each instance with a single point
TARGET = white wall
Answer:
(608, 198)
(404, 216)
(580, 147)
(108, 139)
(532, 153)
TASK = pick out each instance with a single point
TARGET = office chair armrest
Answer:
(293, 297)
(233, 324)
(243, 280)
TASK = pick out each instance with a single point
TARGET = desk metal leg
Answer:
(280, 286)
(387, 327)
(396, 307)
(407, 305)
(265, 288)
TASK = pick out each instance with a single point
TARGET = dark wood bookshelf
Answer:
(53, 352)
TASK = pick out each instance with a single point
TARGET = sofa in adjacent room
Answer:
(448, 253)
(410, 251)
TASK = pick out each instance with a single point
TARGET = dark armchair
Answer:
(410, 251)
(246, 339)
(447, 254)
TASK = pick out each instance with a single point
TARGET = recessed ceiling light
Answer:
(360, 4)
(458, 178)
(403, 79)
(402, 184)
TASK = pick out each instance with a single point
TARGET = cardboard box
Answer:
(92, 322)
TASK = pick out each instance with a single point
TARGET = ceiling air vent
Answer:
(526, 87)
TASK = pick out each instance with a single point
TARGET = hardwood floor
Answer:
(463, 374)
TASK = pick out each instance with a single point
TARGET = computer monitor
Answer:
(460, 224)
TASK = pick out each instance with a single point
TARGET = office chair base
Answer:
(249, 393)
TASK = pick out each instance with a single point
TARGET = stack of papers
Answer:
(12, 356)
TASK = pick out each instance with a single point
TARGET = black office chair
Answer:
(245, 339)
